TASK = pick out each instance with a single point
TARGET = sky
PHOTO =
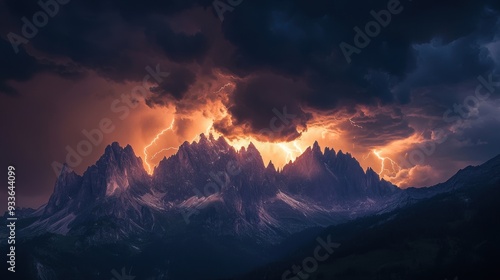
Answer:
(409, 88)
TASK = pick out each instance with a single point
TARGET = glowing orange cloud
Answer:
(280, 153)
(198, 113)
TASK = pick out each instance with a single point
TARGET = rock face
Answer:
(331, 177)
(117, 172)
(210, 185)
(210, 205)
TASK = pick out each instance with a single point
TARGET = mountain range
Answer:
(212, 207)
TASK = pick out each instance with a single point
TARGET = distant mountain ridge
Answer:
(210, 186)
(452, 234)
(210, 204)
(197, 184)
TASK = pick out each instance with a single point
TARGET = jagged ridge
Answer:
(212, 185)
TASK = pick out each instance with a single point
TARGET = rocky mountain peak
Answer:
(213, 172)
(316, 148)
(271, 167)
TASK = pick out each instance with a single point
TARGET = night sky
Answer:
(410, 88)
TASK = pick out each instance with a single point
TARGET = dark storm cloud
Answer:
(296, 40)
(473, 144)
(108, 36)
(379, 128)
(266, 102)
(132, 10)
(454, 63)
(301, 39)
(177, 47)
(176, 86)
(429, 44)
(293, 39)
(99, 42)
(18, 68)
(22, 67)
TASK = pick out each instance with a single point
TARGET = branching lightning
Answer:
(154, 142)
(297, 147)
(394, 166)
(289, 152)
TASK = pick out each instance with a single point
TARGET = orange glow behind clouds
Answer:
(167, 137)
(168, 128)
(164, 143)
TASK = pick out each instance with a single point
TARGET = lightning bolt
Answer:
(394, 165)
(297, 147)
(154, 142)
(287, 151)
(223, 87)
(163, 150)
(354, 123)
(290, 152)
(366, 156)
